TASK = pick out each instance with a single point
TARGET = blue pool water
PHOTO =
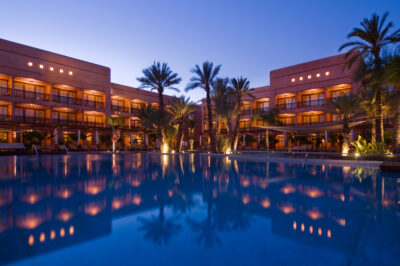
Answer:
(193, 209)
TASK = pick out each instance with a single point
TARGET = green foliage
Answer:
(222, 143)
(33, 137)
(362, 146)
(115, 122)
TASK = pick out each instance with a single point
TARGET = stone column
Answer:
(284, 140)
(79, 137)
(244, 140)
(55, 136)
(97, 137)
(200, 140)
(326, 139)
(259, 138)
(352, 135)
(145, 139)
(131, 138)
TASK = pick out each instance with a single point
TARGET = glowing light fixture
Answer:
(301, 78)
(31, 240)
(164, 148)
(52, 234)
(318, 75)
(41, 66)
(309, 76)
(62, 232)
(51, 68)
(293, 79)
(327, 73)
(70, 73)
(61, 70)
(42, 237)
(30, 64)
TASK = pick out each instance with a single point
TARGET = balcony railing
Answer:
(284, 106)
(92, 124)
(310, 103)
(245, 112)
(31, 94)
(120, 108)
(5, 117)
(305, 123)
(93, 103)
(4, 91)
(66, 99)
(31, 119)
(260, 110)
(66, 122)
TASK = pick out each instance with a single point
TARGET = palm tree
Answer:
(181, 107)
(393, 77)
(368, 104)
(219, 96)
(345, 106)
(373, 37)
(269, 118)
(159, 77)
(240, 87)
(204, 78)
(115, 122)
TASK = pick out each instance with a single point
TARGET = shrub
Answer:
(362, 146)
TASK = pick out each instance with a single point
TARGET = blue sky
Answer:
(249, 37)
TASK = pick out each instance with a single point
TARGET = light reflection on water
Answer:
(195, 205)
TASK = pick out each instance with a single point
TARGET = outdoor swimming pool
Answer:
(193, 209)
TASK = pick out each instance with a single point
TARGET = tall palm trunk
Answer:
(346, 134)
(180, 136)
(373, 129)
(397, 124)
(210, 124)
(235, 137)
(161, 110)
(267, 139)
(379, 120)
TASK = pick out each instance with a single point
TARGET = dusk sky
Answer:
(249, 38)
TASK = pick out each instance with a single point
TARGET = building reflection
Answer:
(55, 202)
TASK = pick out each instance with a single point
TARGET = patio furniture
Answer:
(12, 146)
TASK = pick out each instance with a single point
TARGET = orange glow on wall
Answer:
(65, 216)
(52, 234)
(288, 189)
(71, 230)
(42, 237)
(314, 193)
(342, 222)
(31, 240)
(116, 204)
(170, 193)
(30, 222)
(311, 229)
(294, 225)
(93, 190)
(135, 183)
(315, 214)
(245, 183)
(302, 227)
(319, 231)
(286, 209)
(92, 210)
(265, 203)
(137, 200)
(245, 199)
(329, 233)
(62, 232)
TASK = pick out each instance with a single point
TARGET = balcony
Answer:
(31, 95)
(92, 124)
(306, 123)
(66, 99)
(65, 122)
(93, 103)
(120, 108)
(4, 91)
(31, 119)
(285, 106)
(261, 110)
(310, 103)
(5, 117)
(245, 112)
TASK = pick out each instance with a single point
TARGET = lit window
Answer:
(309, 76)
(51, 68)
(30, 64)
(293, 79)
(301, 78)
(327, 73)
(318, 75)
(41, 66)
(70, 73)
(61, 70)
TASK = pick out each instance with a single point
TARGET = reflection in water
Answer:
(53, 202)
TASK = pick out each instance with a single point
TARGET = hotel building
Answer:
(301, 93)
(59, 96)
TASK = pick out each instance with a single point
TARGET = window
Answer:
(313, 119)
(137, 106)
(245, 107)
(117, 103)
(3, 83)
(136, 123)
(262, 106)
(64, 116)
(244, 123)
(287, 103)
(286, 120)
(313, 99)
(28, 90)
(93, 98)
(98, 119)
(340, 93)
(3, 110)
(26, 112)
